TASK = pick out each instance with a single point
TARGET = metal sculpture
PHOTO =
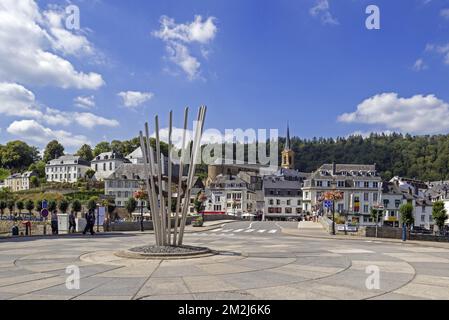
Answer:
(159, 185)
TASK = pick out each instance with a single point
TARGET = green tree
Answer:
(76, 206)
(90, 173)
(39, 168)
(406, 212)
(3, 206)
(92, 204)
(5, 193)
(34, 182)
(29, 205)
(85, 152)
(11, 205)
(4, 173)
(38, 205)
(439, 214)
(131, 205)
(52, 205)
(53, 150)
(63, 205)
(101, 148)
(20, 206)
(18, 156)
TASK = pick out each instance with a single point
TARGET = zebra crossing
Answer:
(233, 232)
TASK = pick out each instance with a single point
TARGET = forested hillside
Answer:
(421, 157)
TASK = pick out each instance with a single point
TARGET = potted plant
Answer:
(198, 222)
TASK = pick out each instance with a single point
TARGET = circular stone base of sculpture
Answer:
(165, 252)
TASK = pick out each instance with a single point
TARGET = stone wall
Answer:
(396, 233)
(218, 217)
(135, 226)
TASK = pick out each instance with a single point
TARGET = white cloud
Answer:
(322, 10)
(416, 115)
(439, 49)
(28, 38)
(177, 37)
(196, 31)
(133, 99)
(419, 65)
(17, 101)
(445, 13)
(180, 55)
(31, 130)
(85, 102)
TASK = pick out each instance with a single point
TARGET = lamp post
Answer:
(334, 187)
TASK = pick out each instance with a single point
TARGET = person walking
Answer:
(72, 223)
(54, 223)
(90, 219)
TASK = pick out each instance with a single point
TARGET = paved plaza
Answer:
(255, 261)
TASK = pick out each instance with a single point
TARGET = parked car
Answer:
(421, 230)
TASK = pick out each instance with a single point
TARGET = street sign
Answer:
(44, 204)
(44, 213)
(328, 204)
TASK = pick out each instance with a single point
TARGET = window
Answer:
(288, 202)
(288, 210)
(217, 207)
(271, 202)
(397, 203)
(110, 165)
(278, 202)
(299, 202)
(375, 184)
(423, 209)
(365, 208)
(366, 184)
(217, 198)
(329, 184)
(104, 166)
(96, 167)
(375, 197)
(340, 207)
(366, 196)
(357, 183)
(423, 218)
(319, 183)
(229, 196)
(341, 184)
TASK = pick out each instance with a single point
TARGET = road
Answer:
(254, 261)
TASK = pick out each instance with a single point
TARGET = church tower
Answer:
(288, 156)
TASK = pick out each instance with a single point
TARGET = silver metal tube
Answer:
(159, 179)
(180, 175)
(169, 210)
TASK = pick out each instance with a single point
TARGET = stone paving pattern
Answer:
(250, 266)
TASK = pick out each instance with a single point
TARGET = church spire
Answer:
(288, 143)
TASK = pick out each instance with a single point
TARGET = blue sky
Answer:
(262, 63)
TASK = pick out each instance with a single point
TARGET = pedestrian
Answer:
(72, 223)
(54, 223)
(90, 223)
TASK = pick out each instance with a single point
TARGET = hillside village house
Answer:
(105, 164)
(231, 195)
(19, 181)
(359, 184)
(68, 168)
(283, 194)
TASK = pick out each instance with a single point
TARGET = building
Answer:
(360, 186)
(19, 181)
(68, 168)
(231, 195)
(135, 157)
(283, 198)
(392, 199)
(123, 182)
(105, 164)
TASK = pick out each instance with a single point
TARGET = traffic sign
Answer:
(328, 204)
(44, 204)
(44, 213)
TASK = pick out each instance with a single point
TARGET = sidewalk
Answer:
(315, 230)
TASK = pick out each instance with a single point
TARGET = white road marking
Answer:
(228, 230)
(239, 230)
(250, 230)
(216, 230)
(272, 231)
(261, 231)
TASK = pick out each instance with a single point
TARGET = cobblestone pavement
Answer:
(256, 261)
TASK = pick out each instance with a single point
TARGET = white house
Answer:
(68, 168)
(19, 182)
(105, 164)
